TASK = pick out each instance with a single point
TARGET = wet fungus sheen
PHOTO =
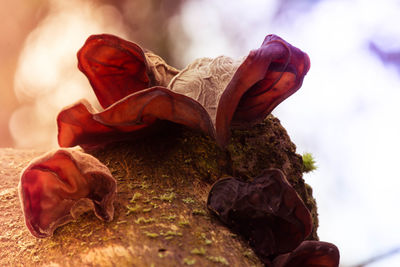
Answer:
(60, 185)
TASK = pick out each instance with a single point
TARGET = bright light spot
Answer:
(47, 77)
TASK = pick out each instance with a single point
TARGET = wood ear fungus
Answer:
(60, 185)
(266, 211)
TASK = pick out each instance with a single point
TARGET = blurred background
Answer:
(345, 114)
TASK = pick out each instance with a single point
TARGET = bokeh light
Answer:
(47, 78)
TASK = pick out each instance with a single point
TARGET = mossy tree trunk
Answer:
(161, 217)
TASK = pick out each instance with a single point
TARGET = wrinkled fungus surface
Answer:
(60, 185)
(137, 89)
(267, 212)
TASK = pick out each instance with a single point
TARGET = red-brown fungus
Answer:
(114, 67)
(123, 75)
(310, 254)
(130, 117)
(117, 68)
(267, 212)
(267, 76)
(60, 185)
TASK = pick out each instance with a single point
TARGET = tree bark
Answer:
(160, 217)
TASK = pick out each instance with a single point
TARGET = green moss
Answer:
(168, 197)
(171, 233)
(146, 210)
(218, 259)
(198, 251)
(189, 261)
(150, 234)
(144, 185)
(131, 209)
(308, 163)
(135, 197)
(188, 200)
(87, 234)
(161, 255)
(171, 217)
(206, 240)
(249, 254)
(155, 205)
(183, 223)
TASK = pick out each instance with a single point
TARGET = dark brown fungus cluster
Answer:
(60, 185)
(310, 254)
(137, 89)
(272, 217)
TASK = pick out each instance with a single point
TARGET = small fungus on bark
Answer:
(266, 211)
(60, 185)
(310, 254)
(137, 89)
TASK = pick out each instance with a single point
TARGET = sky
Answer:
(345, 114)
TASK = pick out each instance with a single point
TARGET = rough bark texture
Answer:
(160, 213)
